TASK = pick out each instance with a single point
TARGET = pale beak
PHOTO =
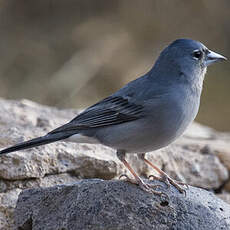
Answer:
(212, 57)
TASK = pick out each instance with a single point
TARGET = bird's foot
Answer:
(150, 188)
(169, 181)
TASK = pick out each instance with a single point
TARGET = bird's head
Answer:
(187, 58)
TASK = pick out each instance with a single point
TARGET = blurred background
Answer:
(72, 53)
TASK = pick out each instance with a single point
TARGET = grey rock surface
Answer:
(97, 204)
(201, 157)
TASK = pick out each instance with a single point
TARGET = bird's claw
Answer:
(169, 181)
(178, 185)
(150, 188)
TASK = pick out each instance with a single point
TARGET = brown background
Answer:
(70, 53)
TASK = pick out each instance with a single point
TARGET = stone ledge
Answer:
(97, 204)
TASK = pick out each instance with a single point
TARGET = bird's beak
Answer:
(212, 57)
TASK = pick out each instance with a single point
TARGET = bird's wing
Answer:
(110, 111)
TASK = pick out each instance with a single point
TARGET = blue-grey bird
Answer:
(147, 114)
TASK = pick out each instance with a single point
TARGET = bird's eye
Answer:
(197, 54)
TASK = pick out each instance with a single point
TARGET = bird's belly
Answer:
(134, 138)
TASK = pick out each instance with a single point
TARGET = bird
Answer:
(145, 115)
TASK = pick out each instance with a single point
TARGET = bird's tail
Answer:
(49, 138)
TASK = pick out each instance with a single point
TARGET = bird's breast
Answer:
(174, 114)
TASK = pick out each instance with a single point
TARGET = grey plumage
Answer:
(149, 112)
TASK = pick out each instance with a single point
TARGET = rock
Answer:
(47, 181)
(224, 157)
(98, 204)
(8, 204)
(58, 158)
(200, 157)
(225, 197)
(226, 186)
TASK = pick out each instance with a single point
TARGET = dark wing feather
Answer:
(110, 111)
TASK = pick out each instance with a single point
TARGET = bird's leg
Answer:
(138, 180)
(164, 177)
